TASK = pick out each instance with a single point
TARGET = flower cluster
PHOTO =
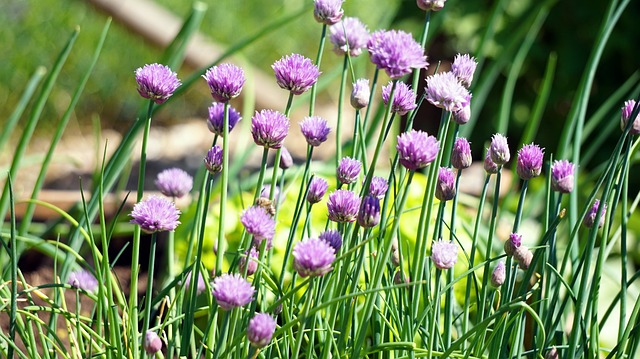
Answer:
(174, 182)
(445, 91)
(269, 128)
(155, 214)
(225, 81)
(216, 118)
(396, 52)
(156, 82)
(404, 98)
(295, 73)
(232, 291)
(313, 257)
(349, 36)
(417, 149)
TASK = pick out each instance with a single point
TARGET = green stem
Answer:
(435, 311)
(149, 295)
(343, 84)
(223, 192)
(309, 301)
(314, 90)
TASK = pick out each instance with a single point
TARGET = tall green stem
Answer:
(149, 296)
(314, 90)
(343, 84)
(223, 192)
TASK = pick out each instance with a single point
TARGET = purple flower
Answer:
(257, 221)
(445, 91)
(216, 118)
(523, 256)
(155, 214)
(529, 161)
(232, 290)
(444, 254)
(174, 182)
(499, 274)
(213, 160)
(348, 170)
(333, 237)
(286, 160)
(463, 67)
(464, 115)
(313, 257)
(260, 329)
(360, 94)
(499, 150)
(225, 81)
(295, 73)
(269, 128)
(201, 286)
(315, 130)
(250, 256)
(461, 154)
(83, 279)
(417, 149)
(343, 206)
(562, 173)
(349, 35)
(378, 187)
(152, 342)
(627, 111)
(369, 214)
(396, 52)
(433, 5)
(404, 98)
(445, 186)
(328, 12)
(514, 242)
(590, 218)
(156, 82)
(490, 166)
(317, 188)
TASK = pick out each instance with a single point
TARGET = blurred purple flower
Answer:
(257, 221)
(590, 218)
(349, 35)
(444, 254)
(174, 182)
(152, 342)
(464, 67)
(432, 5)
(328, 12)
(627, 111)
(286, 160)
(232, 290)
(213, 159)
(514, 242)
(490, 166)
(463, 115)
(333, 237)
(498, 275)
(250, 256)
(260, 329)
(378, 187)
(83, 279)
(315, 130)
(156, 82)
(201, 286)
(396, 52)
(313, 257)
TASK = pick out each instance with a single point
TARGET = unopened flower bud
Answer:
(152, 342)
(498, 275)
(523, 257)
(590, 218)
(461, 154)
(360, 94)
(552, 353)
(514, 241)
(446, 186)
(400, 278)
(286, 160)
(490, 166)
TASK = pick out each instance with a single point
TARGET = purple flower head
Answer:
(444, 254)
(396, 52)
(627, 111)
(313, 257)
(317, 188)
(433, 5)
(286, 160)
(446, 184)
(343, 206)
(295, 73)
(333, 237)
(498, 275)
(225, 81)
(349, 35)
(250, 256)
(269, 128)
(489, 165)
(83, 279)
(562, 173)
(201, 286)
(348, 170)
(369, 214)
(404, 98)
(499, 150)
(590, 218)
(260, 330)
(360, 94)
(529, 161)
(445, 91)
(461, 154)
(417, 149)
(463, 67)
(328, 12)
(156, 82)
(315, 130)
(514, 242)
(174, 182)
(464, 115)
(232, 290)
(216, 118)
(213, 160)
(378, 187)
(155, 214)
(152, 342)
(257, 221)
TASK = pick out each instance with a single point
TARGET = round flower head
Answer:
(463, 67)
(156, 82)
(498, 275)
(328, 12)
(333, 237)
(378, 187)
(295, 73)
(286, 160)
(343, 206)
(152, 342)
(562, 173)
(315, 130)
(529, 161)
(232, 290)
(213, 160)
(512, 244)
(348, 170)
(250, 256)
(445, 91)
(269, 128)
(369, 214)
(464, 115)
(155, 214)
(490, 166)
(446, 186)
(523, 256)
(225, 81)
(258, 223)
(444, 254)
(313, 257)
(349, 36)
(396, 52)
(433, 5)
(216, 118)
(360, 94)
(83, 279)
(260, 330)
(404, 98)
(461, 154)
(317, 188)
(499, 150)
(417, 149)
(627, 111)
(174, 182)
(201, 285)
(590, 219)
